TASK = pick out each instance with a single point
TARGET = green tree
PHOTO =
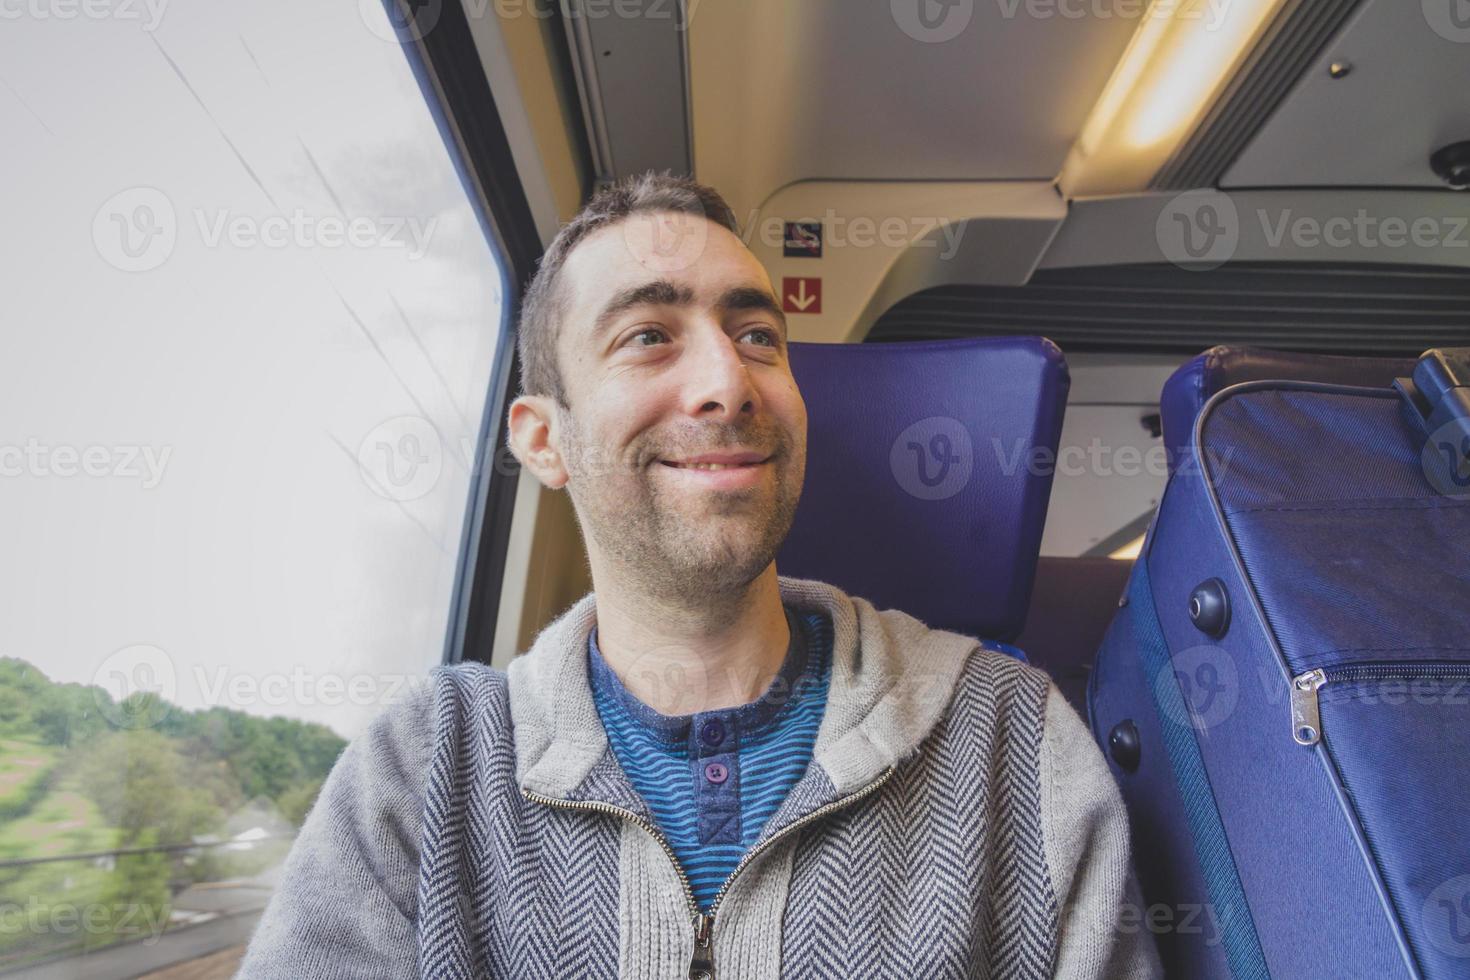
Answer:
(15, 710)
(142, 785)
(297, 802)
(51, 717)
(135, 902)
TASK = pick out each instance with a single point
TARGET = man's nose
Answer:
(718, 386)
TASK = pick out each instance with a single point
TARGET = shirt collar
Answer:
(745, 719)
(891, 678)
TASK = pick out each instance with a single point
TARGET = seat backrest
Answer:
(922, 492)
(1198, 379)
(1072, 603)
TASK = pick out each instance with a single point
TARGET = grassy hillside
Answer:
(71, 783)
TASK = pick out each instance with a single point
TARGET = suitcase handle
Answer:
(1438, 396)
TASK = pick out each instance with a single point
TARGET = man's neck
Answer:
(680, 660)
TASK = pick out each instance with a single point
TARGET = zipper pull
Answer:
(702, 966)
(1306, 719)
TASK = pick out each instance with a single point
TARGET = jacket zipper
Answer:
(1306, 715)
(702, 965)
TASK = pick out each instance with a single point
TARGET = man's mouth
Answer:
(720, 471)
(717, 461)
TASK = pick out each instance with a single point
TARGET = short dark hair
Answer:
(543, 307)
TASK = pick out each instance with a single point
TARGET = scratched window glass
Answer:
(250, 320)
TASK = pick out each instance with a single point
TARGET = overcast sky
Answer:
(249, 319)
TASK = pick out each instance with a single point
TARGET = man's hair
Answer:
(544, 305)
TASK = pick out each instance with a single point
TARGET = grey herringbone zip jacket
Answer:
(956, 821)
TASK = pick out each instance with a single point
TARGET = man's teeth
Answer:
(711, 466)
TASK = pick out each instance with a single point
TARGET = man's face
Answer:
(685, 443)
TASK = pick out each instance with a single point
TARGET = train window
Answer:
(245, 368)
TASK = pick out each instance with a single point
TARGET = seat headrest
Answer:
(1198, 379)
(922, 492)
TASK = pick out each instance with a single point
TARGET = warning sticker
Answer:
(803, 240)
(801, 294)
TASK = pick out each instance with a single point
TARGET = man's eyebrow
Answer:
(659, 292)
(743, 298)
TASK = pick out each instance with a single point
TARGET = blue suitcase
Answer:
(1284, 694)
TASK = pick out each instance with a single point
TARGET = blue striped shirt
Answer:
(712, 779)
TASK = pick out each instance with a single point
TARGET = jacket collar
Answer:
(747, 719)
(892, 678)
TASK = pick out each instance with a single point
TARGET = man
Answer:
(702, 769)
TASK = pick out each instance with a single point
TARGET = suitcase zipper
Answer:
(1306, 718)
(702, 965)
(1306, 715)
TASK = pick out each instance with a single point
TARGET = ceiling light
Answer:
(1181, 56)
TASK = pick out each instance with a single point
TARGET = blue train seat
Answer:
(920, 494)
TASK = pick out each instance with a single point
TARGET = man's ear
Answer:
(532, 442)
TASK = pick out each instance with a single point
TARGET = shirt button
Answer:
(712, 732)
(716, 772)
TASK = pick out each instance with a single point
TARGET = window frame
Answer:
(452, 79)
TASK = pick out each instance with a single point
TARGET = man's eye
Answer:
(648, 337)
(762, 337)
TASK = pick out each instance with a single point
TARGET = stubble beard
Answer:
(690, 560)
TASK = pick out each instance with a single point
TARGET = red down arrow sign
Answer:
(801, 294)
